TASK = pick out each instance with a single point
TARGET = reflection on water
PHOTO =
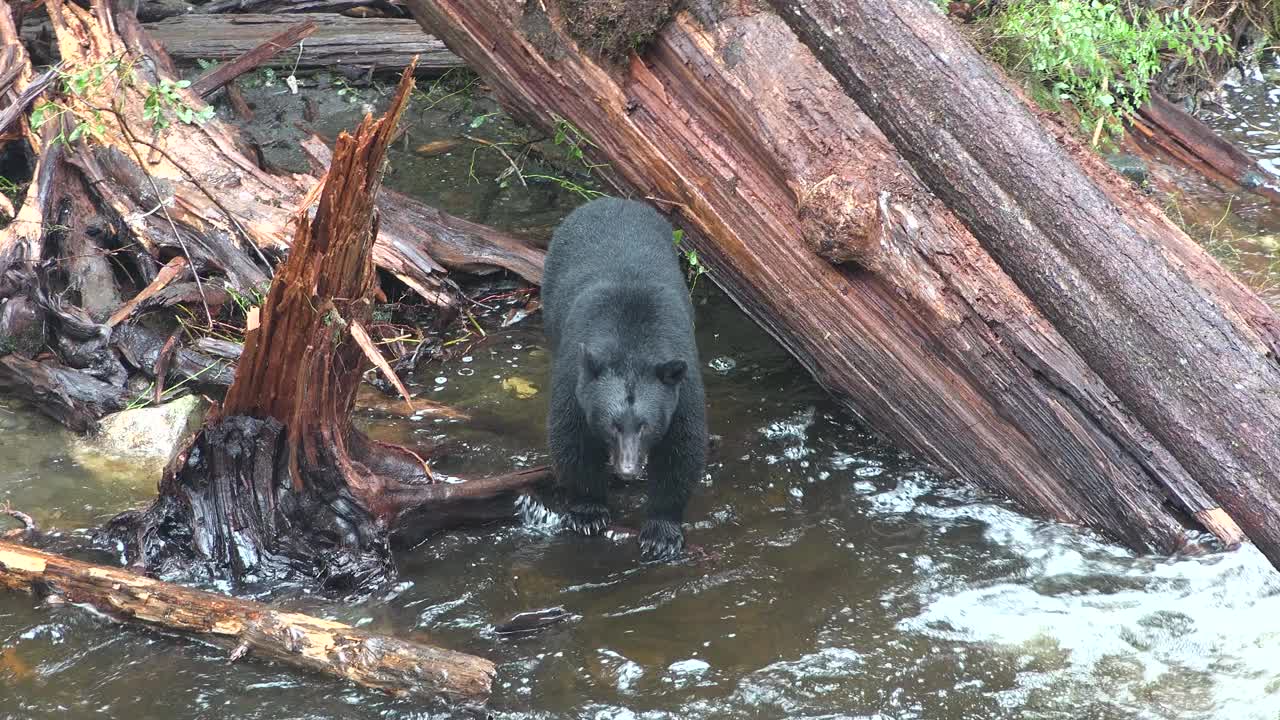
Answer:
(841, 580)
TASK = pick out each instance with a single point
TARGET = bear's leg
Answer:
(675, 466)
(579, 463)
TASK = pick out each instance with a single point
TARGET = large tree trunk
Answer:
(1184, 346)
(811, 220)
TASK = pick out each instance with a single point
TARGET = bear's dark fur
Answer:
(626, 387)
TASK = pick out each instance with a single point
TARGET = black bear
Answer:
(626, 390)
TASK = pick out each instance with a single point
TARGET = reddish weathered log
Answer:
(377, 661)
(1191, 142)
(189, 192)
(1185, 347)
(815, 225)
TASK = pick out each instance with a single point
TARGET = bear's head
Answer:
(628, 404)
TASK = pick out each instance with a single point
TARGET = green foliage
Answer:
(1100, 56)
(568, 136)
(246, 301)
(164, 102)
(696, 268)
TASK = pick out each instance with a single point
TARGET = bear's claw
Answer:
(661, 540)
(587, 518)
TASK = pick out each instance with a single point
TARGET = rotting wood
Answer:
(456, 243)
(382, 662)
(733, 127)
(228, 218)
(380, 44)
(1184, 346)
(282, 483)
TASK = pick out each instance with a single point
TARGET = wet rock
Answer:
(152, 434)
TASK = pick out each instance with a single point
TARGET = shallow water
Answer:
(839, 579)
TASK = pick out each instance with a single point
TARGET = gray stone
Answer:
(150, 434)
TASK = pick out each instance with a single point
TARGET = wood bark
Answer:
(251, 59)
(282, 483)
(1183, 345)
(373, 43)
(814, 223)
(333, 648)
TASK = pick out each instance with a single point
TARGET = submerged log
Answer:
(815, 224)
(1164, 125)
(374, 43)
(377, 661)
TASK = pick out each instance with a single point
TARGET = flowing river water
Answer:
(841, 578)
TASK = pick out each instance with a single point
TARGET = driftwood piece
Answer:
(1184, 346)
(73, 398)
(456, 243)
(333, 648)
(252, 58)
(142, 348)
(811, 220)
(376, 43)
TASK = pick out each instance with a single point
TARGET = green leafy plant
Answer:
(568, 136)
(164, 102)
(1101, 56)
(696, 268)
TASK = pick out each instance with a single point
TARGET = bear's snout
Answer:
(628, 457)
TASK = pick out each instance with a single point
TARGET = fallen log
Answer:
(811, 220)
(1163, 125)
(376, 661)
(187, 195)
(73, 398)
(391, 7)
(456, 243)
(1184, 346)
(252, 58)
(373, 43)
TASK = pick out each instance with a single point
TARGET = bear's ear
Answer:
(672, 371)
(592, 365)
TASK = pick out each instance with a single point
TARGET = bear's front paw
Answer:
(587, 518)
(661, 540)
